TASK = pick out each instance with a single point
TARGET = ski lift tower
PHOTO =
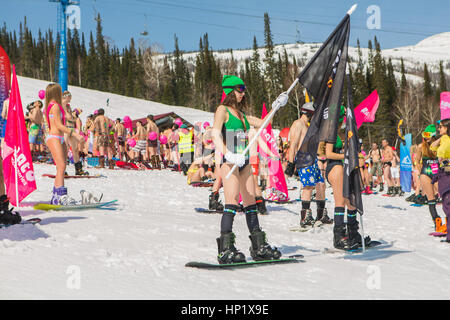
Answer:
(61, 61)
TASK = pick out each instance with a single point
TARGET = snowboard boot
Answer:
(307, 219)
(227, 251)
(410, 198)
(7, 216)
(214, 203)
(260, 249)
(354, 237)
(60, 197)
(158, 162)
(324, 218)
(381, 188)
(79, 169)
(261, 204)
(340, 238)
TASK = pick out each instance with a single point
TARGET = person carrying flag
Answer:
(310, 176)
(230, 137)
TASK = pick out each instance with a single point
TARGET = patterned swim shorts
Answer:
(310, 176)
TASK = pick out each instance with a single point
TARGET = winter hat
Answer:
(230, 81)
(308, 108)
(429, 131)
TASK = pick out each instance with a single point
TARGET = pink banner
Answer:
(445, 105)
(16, 144)
(277, 180)
(365, 111)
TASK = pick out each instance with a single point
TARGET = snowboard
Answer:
(23, 222)
(74, 177)
(437, 234)
(127, 165)
(47, 206)
(204, 210)
(283, 202)
(372, 244)
(205, 265)
(416, 205)
(201, 184)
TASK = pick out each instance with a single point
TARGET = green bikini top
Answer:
(235, 123)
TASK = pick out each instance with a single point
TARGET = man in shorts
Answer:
(377, 166)
(311, 176)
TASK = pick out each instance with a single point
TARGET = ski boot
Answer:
(60, 197)
(307, 219)
(7, 216)
(79, 169)
(214, 203)
(401, 193)
(340, 238)
(354, 237)
(261, 204)
(227, 251)
(420, 199)
(260, 249)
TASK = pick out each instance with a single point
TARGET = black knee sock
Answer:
(339, 216)
(226, 224)
(251, 215)
(432, 208)
(306, 204)
(320, 204)
(351, 216)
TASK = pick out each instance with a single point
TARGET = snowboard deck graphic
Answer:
(437, 234)
(32, 221)
(47, 206)
(205, 265)
(204, 210)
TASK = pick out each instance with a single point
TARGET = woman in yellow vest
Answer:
(230, 136)
(185, 147)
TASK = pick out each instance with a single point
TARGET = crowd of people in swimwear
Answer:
(205, 154)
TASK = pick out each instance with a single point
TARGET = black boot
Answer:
(260, 249)
(7, 216)
(227, 251)
(214, 203)
(381, 187)
(307, 219)
(79, 169)
(261, 204)
(340, 240)
(324, 218)
(354, 237)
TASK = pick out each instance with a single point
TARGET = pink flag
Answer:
(365, 111)
(445, 105)
(21, 182)
(277, 180)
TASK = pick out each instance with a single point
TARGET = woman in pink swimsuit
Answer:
(55, 129)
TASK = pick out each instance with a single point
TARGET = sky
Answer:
(233, 24)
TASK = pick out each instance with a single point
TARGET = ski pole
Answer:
(264, 125)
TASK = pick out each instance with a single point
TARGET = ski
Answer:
(31, 221)
(372, 244)
(74, 177)
(205, 265)
(47, 206)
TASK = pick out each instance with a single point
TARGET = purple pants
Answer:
(444, 191)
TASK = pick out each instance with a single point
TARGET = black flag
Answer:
(352, 175)
(323, 77)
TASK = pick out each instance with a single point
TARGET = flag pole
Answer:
(362, 233)
(264, 125)
(17, 177)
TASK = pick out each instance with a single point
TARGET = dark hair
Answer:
(150, 117)
(231, 101)
(101, 111)
(118, 119)
(175, 126)
(446, 123)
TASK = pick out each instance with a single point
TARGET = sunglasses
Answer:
(427, 135)
(238, 88)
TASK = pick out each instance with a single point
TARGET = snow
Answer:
(139, 250)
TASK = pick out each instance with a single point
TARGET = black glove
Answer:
(290, 169)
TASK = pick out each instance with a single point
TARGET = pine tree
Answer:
(270, 73)
(427, 89)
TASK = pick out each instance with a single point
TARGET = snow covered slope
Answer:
(119, 106)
